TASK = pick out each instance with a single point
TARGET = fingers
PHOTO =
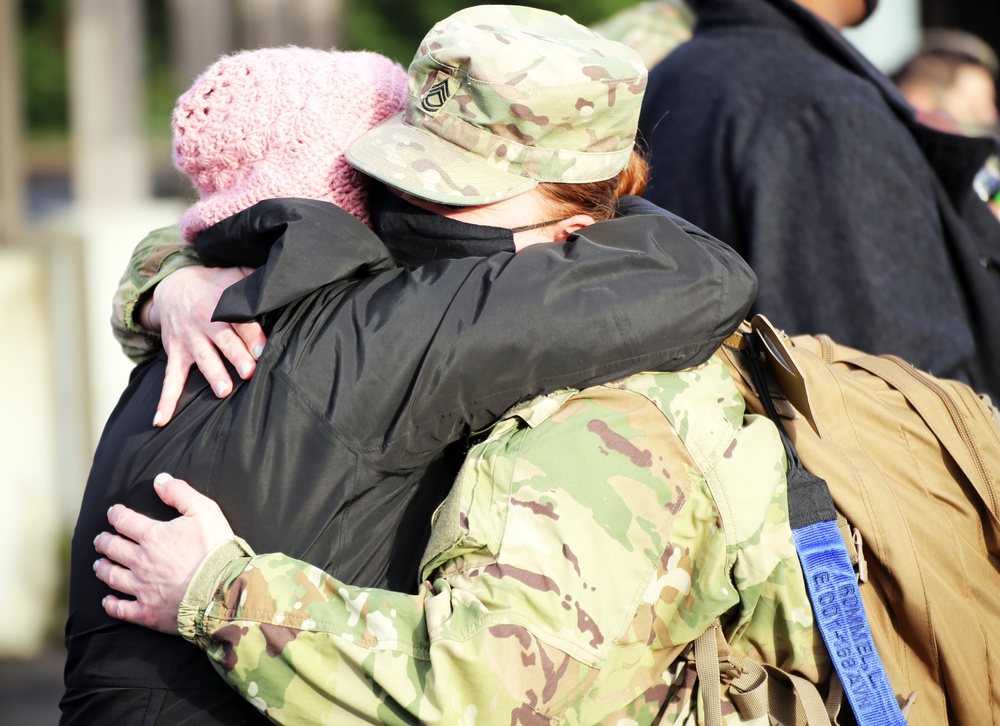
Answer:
(128, 610)
(128, 522)
(253, 338)
(134, 611)
(117, 549)
(230, 340)
(201, 348)
(180, 495)
(116, 577)
(173, 384)
(206, 357)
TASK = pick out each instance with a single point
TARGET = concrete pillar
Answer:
(264, 23)
(269, 23)
(201, 32)
(12, 196)
(318, 22)
(112, 209)
(110, 161)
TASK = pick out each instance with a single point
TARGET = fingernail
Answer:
(220, 388)
(95, 540)
(96, 563)
(162, 479)
(158, 418)
(258, 350)
(104, 601)
(245, 367)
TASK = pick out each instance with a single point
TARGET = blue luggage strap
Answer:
(830, 579)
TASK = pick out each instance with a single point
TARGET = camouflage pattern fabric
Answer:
(652, 29)
(162, 252)
(587, 541)
(503, 97)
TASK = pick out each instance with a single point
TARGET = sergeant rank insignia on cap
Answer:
(436, 95)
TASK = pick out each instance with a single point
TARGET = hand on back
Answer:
(154, 562)
(181, 309)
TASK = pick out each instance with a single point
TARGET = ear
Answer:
(570, 226)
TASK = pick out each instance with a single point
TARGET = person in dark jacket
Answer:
(341, 443)
(771, 132)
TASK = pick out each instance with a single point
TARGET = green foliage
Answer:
(392, 27)
(45, 75)
(43, 66)
(161, 91)
(395, 27)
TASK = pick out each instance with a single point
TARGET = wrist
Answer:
(204, 588)
(149, 316)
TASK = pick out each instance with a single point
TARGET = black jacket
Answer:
(771, 132)
(332, 451)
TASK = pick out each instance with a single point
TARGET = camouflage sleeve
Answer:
(305, 648)
(161, 253)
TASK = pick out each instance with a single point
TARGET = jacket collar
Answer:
(956, 159)
(298, 246)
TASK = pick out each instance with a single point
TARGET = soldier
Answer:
(652, 28)
(334, 450)
(590, 537)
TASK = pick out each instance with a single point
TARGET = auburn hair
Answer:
(598, 198)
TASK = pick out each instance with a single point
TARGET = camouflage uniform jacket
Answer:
(589, 538)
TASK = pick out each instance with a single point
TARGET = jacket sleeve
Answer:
(467, 339)
(162, 252)
(305, 648)
(347, 635)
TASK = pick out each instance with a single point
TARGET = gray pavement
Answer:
(30, 689)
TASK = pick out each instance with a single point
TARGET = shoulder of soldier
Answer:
(653, 28)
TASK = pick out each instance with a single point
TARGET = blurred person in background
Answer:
(771, 131)
(333, 450)
(951, 82)
(652, 28)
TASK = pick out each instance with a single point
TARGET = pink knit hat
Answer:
(275, 123)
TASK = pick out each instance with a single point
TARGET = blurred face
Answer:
(971, 100)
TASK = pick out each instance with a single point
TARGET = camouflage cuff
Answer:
(178, 260)
(160, 252)
(204, 586)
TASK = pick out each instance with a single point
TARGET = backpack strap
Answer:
(757, 690)
(830, 579)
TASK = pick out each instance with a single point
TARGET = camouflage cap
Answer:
(502, 97)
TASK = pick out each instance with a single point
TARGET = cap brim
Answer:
(428, 167)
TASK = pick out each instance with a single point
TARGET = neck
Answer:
(838, 13)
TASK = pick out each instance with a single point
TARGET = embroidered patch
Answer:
(436, 96)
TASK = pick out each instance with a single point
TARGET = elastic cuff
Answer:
(203, 587)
